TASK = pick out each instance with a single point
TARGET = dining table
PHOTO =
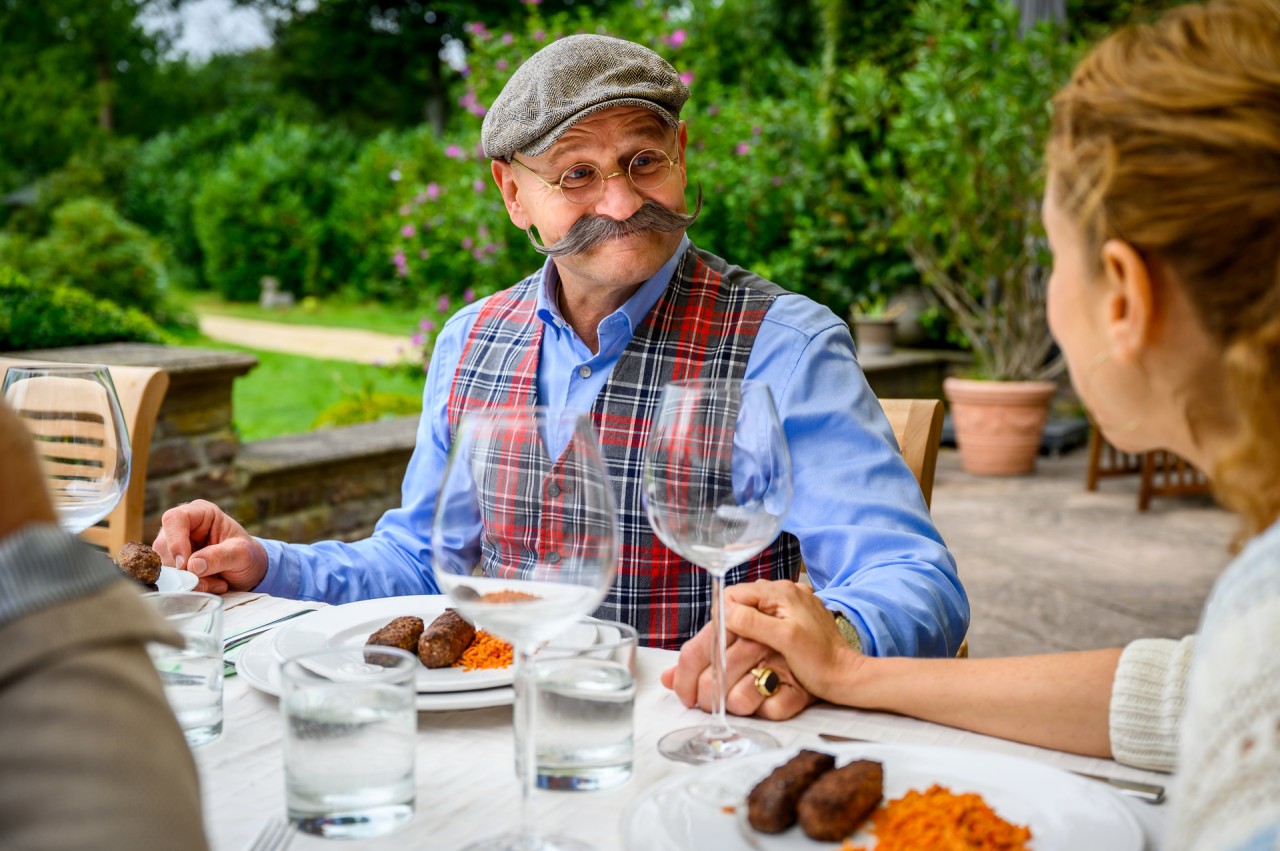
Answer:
(466, 783)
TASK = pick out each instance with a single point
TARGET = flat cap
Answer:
(571, 78)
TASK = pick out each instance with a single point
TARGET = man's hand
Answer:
(200, 537)
(790, 619)
(691, 678)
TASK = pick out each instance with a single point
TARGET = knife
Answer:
(228, 666)
(1147, 792)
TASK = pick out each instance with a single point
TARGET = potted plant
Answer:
(875, 323)
(958, 169)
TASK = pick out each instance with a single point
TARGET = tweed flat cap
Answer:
(571, 78)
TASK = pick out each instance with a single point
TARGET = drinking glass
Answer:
(586, 707)
(73, 414)
(525, 542)
(350, 720)
(192, 673)
(717, 486)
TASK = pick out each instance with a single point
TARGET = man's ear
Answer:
(1130, 300)
(682, 142)
(505, 176)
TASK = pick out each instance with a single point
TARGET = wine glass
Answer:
(73, 414)
(717, 486)
(525, 542)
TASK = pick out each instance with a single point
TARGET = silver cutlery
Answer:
(1147, 792)
(242, 638)
(275, 835)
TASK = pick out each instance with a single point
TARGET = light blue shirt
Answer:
(869, 544)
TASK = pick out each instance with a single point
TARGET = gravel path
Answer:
(315, 341)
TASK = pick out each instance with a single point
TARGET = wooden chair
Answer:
(1162, 473)
(141, 391)
(917, 426)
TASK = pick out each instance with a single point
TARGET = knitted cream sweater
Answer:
(1227, 793)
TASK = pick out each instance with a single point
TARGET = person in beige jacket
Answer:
(91, 756)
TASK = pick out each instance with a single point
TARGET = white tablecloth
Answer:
(466, 784)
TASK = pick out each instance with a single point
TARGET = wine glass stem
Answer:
(526, 741)
(719, 722)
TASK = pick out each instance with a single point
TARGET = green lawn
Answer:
(331, 312)
(285, 393)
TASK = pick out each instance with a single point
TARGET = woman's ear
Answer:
(504, 176)
(1129, 318)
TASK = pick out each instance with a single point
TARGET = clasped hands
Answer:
(778, 625)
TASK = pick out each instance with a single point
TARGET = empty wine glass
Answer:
(525, 542)
(73, 414)
(717, 486)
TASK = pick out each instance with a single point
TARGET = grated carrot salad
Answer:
(485, 651)
(942, 821)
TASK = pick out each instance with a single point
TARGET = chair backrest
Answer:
(141, 390)
(917, 425)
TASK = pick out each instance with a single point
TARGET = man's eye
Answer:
(578, 175)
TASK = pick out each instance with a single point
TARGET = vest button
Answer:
(553, 490)
(553, 557)
(584, 371)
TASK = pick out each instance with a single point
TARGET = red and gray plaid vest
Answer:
(703, 325)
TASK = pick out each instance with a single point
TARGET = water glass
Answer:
(191, 674)
(586, 694)
(350, 722)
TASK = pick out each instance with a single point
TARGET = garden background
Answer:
(847, 150)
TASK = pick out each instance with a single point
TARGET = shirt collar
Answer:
(634, 310)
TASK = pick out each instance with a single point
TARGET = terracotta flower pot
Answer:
(998, 423)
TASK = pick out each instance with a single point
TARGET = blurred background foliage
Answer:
(343, 159)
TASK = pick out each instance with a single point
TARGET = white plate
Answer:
(172, 579)
(260, 667)
(350, 625)
(1064, 812)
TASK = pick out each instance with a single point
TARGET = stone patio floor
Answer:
(1049, 566)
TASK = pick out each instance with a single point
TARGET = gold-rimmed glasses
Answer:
(583, 183)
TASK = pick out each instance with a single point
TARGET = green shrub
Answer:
(90, 246)
(98, 171)
(263, 211)
(36, 316)
(169, 170)
(368, 405)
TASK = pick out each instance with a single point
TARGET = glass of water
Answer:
(192, 673)
(350, 721)
(586, 707)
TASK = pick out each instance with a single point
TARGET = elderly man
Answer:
(589, 153)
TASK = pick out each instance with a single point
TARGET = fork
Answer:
(275, 835)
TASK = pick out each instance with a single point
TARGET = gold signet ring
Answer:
(767, 682)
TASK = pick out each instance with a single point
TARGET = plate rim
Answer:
(635, 809)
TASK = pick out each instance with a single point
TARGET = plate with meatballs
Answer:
(455, 656)
(868, 796)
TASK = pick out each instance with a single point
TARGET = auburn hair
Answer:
(1168, 137)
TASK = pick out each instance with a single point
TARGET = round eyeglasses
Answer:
(583, 183)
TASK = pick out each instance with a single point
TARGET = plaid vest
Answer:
(703, 325)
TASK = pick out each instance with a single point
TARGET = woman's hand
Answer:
(788, 618)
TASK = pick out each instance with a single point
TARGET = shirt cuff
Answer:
(1147, 701)
(41, 565)
(284, 575)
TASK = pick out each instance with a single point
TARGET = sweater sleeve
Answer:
(1147, 699)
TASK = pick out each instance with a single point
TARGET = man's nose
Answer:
(620, 199)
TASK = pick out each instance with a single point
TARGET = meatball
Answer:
(140, 562)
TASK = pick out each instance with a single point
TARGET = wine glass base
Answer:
(523, 842)
(699, 745)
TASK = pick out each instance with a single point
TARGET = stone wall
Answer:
(332, 484)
